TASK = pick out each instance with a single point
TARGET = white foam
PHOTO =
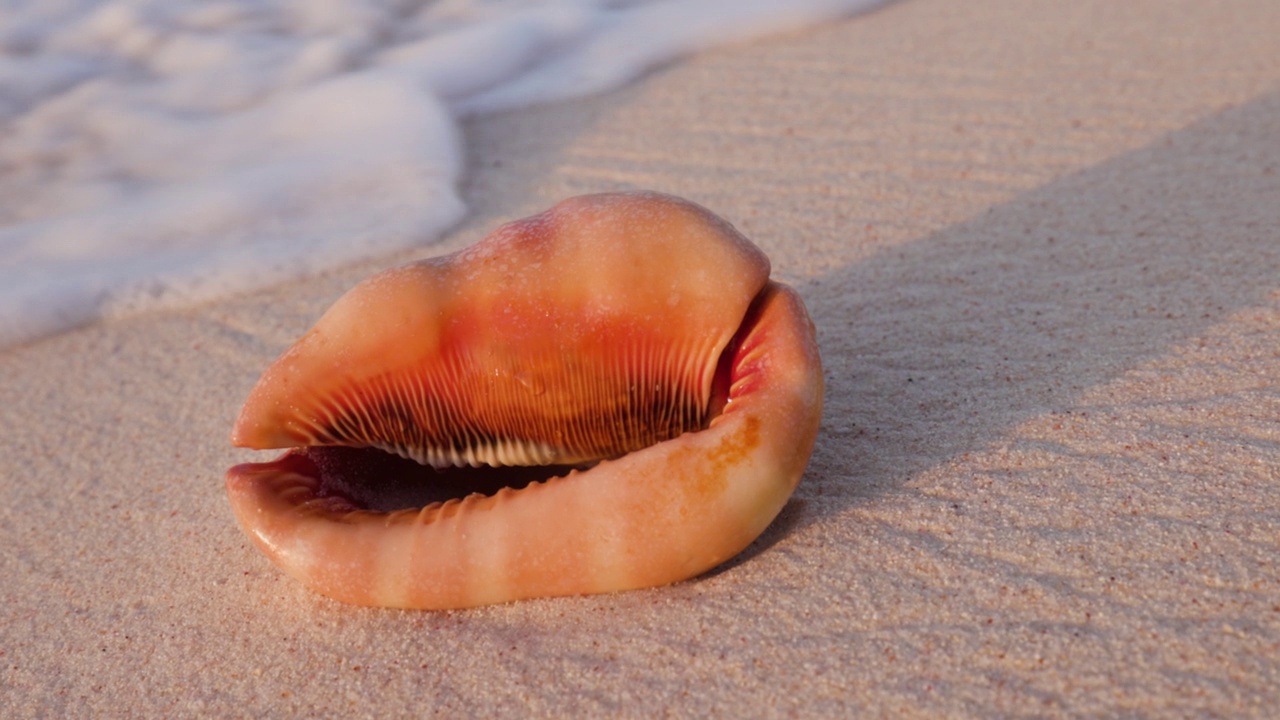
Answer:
(155, 153)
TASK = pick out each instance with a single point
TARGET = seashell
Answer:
(609, 395)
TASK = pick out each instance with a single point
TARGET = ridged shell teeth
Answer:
(499, 453)
(583, 333)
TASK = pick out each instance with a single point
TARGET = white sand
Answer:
(1041, 242)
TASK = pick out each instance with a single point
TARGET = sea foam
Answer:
(158, 153)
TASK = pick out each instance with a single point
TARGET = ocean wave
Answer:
(157, 153)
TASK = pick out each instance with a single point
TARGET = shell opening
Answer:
(388, 477)
(376, 480)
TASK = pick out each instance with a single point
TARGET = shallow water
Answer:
(156, 153)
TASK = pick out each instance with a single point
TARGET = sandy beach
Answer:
(1041, 245)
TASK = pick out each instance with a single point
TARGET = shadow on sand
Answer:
(940, 346)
